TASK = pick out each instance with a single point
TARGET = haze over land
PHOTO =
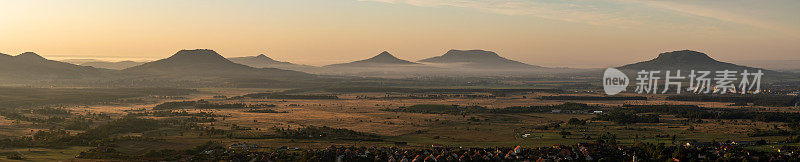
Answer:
(207, 68)
(399, 80)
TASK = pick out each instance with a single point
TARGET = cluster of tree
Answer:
(456, 109)
(78, 123)
(264, 111)
(172, 113)
(176, 105)
(696, 112)
(49, 120)
(324, 132)
(550, 125)
(684, 111)
(262, 105)
(436, 90)
(56, 138)
(786, 117)
(288, 96)
(250, 135)
(601, 98)
(55, 118)
(14, 156)
(440, 109)
(759, 100)
(109, 132)
(771, 132)
(627, 117)
(13, 115)
(713, 98)
(195, 119)
(548, 108)
(576, 121)
(220, 105)
(405, 97)
(601, 150)
(31, 97)
(51, 111)
(432, 96)
(127, 124)
(103, 152)
(203, 104)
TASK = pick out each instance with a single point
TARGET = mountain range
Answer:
(209, 65)
(685, 60)
(382, 59)
(30, 65)
(382, 65)
(262, 61)
(204, 63)
(118, 65)
(776, 65)
(112, 65)
(478, 59)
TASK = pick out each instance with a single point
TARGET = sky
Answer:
(552, 33)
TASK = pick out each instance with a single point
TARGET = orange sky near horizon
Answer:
(582, 34)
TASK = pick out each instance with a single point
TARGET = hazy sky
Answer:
(555, 33)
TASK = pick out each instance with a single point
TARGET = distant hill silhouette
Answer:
(684, 60)
(30, 65)
(477, 59)
(79, 61)
(381, 65)
(207, 63)
(382, 59)
(112, 65)
(786, 65)
(262, 61)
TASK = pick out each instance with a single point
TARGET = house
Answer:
(742, 143)
(697, 144)
(243, 145)
(285, 148)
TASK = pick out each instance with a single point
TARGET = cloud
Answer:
(719, 14)
(619, 13)
(556, 10)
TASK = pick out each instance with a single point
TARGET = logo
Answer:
(614, 81)
(700, 81)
